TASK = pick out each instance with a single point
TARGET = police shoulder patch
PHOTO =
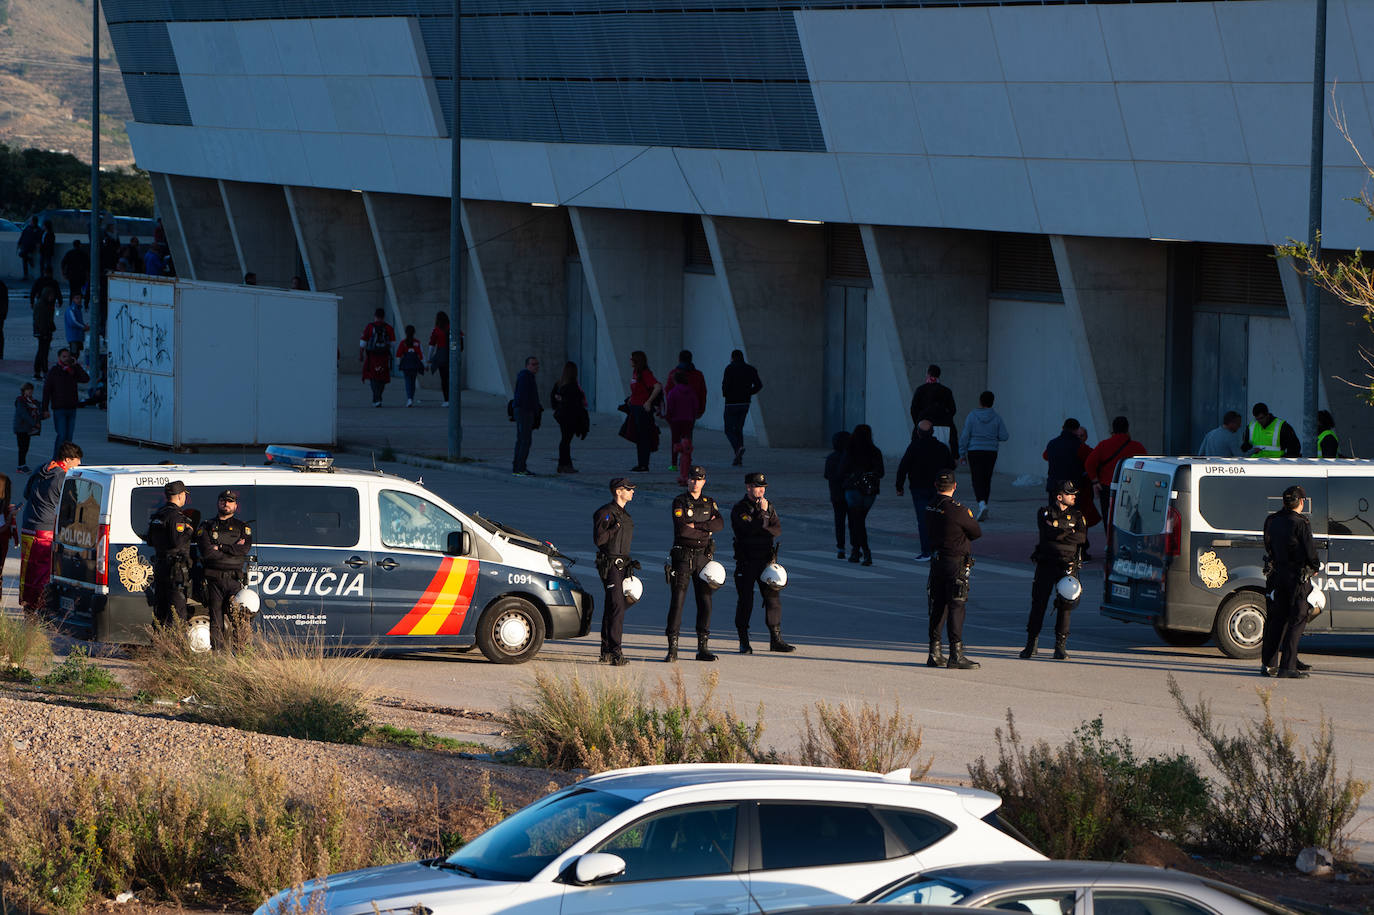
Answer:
(969, 510)
(180, 527)
(677, 513)
(247, 529)
(744, 518)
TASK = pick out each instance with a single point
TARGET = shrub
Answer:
(24, 645)
(863, 740)
(77, 674)
(1276, 797)
(609, 724)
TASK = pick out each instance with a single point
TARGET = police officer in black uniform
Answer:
(1290, 561)
(170, 531)
(755, 523)
(951, 526)
(695, 518)
(613, 530)
(1063, 533)
(225, 543)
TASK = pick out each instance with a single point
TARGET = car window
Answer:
(1039, 902)
(924, 891)
(201, 502)
(1241, 503)
(1132, 902)
(1142, 501)
(1348, 501)
(915, 829)
(692, 842)
(815, 835)
(307, 515)
(412, 523)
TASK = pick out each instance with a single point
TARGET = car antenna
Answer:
(374, 462)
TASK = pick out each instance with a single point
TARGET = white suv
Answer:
(696, 838)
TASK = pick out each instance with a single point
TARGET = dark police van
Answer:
(354, 557)
(1189, 545)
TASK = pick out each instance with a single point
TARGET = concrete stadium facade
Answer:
(1073, 205)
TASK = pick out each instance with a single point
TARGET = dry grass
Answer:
(24, 645)
(868, 739)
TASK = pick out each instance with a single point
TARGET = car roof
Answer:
(194, 470)
(647, 781)
(1067, 871)
(1343, 463)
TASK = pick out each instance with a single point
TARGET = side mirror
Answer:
(596, 867)
(459, 543)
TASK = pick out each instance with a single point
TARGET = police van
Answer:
(353, 557)
(1188, 555)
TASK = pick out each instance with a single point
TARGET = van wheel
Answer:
(510, 631)
(1180, 638)
(1240, 625)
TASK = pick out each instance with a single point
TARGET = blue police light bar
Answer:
(299, 458)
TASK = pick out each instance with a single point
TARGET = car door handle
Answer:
(388, 563)
(355, 562)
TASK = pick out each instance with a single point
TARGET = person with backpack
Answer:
(374, 349)
(411, 359)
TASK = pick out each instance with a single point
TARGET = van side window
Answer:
(1349, 511)
(411, 523)
(1241, 503)
(308, 515)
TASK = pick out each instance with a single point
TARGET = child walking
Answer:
(27, 422)
(411, 359)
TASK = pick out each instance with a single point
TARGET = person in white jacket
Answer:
(983, 432)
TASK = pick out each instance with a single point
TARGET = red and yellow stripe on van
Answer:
(444, 605)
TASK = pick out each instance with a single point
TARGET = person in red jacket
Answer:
(1101, 464)
(374, 351)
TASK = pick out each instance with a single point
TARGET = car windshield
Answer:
(929, 891)
(523, 844)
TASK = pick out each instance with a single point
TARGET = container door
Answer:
(419, 591)
(1348, 573)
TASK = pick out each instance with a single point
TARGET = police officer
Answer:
(1328, 442)
(613, 530)
(170, 532)
(951, 526)
(695, 518)
(225, 543)
(755, 523)
(1290, 561)
(1062, 535)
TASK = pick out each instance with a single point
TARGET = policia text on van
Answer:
(356, 558)
(1189, 545)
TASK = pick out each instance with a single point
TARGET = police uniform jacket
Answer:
(754, 529)
(1062, 533)
(220, 550)
(702, 514)
(1288, 542)
(952, 526)
(613, 530)
(170, 532)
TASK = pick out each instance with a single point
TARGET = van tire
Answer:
(511, 631)
(1182, 638)
(1239, 627)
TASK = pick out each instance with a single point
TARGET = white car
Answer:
(700, 839)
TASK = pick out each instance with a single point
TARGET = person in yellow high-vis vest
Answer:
(1269, 436)
(1328, 443)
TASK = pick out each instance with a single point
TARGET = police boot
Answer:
(703, 648)
(672, 649)
(937, 657)
(957, 659)
(775, 642)
(1061, 652)
(1032, 643)
(744, 646)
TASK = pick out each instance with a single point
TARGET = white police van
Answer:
(355, 557)
(1189, 545)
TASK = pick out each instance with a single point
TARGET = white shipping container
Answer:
(196, 363)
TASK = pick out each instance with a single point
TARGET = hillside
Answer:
(45, 81)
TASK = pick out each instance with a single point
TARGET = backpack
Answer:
(377, 342)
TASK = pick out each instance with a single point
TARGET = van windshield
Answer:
(1142, 501)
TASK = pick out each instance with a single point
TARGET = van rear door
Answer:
(1146, 535)
(81, 543)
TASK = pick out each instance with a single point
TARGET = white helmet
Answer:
(713, 573)
(1069, 588)
(1316, 599)
(199, 634)
(248, 600)
(634, 590)
(774, 576)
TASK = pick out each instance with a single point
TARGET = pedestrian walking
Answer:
(374, 351)
(44, 326)
(76, 268)
(695, 380)
(28, 243)
(28, 422)
(1290, 561)
(42, 493)
(696, 518)
(935, 402)
(438, 352)
(1328, 442)
(1064, 455)
(1222, 441)
(526, 411)
(61, 397)
(834, 478)
(738, 385)
(613, 532)
(925, 457)
(47, 248)
(862, 473)
(1269, 436)
(984, 431)
(410, 359)
(645, 392)
(1057, 554)
(755, 524)
(680, 408)
(569, 404)
(74, 325)
(225, 543)
(170, 533)
(1101, 463)
(952, 527)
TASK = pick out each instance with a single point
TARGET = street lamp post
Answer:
(93, 303)
(455, 253)
(1312, 348)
